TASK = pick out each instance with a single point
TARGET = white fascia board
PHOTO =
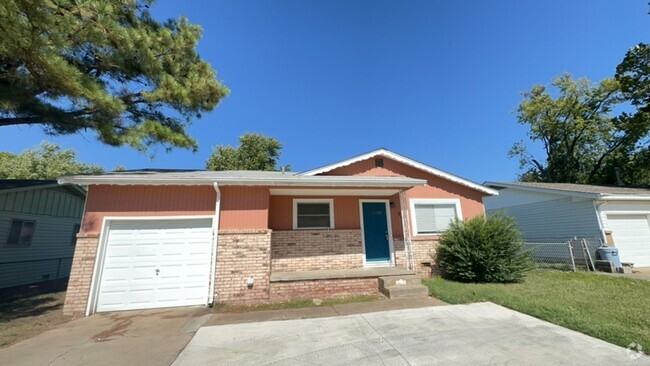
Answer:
(622, 198)
(543, 190)
(407, 161)
(341, 182)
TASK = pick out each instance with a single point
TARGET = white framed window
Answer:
(432, 216)
(313, 213)
(21, 233)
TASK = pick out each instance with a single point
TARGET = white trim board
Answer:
(404, 160)
(332, 192)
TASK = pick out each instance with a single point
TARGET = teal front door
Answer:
(375, 232)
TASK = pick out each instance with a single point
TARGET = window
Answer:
(433, 216)
(313, 214)
(379, 163)
(21, 233)
(75, 231)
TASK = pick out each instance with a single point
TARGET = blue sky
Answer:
(437, 81)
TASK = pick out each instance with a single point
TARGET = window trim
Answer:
(432, 201)
(296, 201)
(18, 245)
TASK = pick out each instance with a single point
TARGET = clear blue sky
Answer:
(437, 81)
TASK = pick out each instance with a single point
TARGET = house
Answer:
(39, 220)
(550, 211)
(161, 238)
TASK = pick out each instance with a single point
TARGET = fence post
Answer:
(573, 260)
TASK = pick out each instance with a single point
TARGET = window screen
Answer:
(21, 232)
(313, 215)
(434, 218)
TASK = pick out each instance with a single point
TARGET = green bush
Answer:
(483, 250)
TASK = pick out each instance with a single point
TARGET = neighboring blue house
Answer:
(39, 220)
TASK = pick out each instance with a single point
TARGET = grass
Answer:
(26, 317)
(616, 310)
(296, 303)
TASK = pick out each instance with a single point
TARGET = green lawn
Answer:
(613, 309)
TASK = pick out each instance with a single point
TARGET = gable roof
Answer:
(577, 190)
(12, 185)
(407, 161)
(237, 177)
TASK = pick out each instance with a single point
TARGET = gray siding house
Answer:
(39, 220)
(560, 211)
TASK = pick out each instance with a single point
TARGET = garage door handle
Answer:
(157, 271)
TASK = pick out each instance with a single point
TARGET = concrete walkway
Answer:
(475, 334)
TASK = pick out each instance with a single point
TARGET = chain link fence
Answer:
(574, 254)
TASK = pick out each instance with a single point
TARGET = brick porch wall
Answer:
(83, 264)
(423, 250)
(307, 250)
(243, 254)
(281, 291)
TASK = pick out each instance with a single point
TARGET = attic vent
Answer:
(379, 163)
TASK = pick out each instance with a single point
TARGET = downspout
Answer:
(603, 234)
(215, 240)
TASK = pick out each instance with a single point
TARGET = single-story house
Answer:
(162, 238)
(39, 220)
(559, 211)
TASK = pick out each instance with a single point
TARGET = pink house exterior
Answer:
(153, 239)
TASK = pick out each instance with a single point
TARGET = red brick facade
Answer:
(308, 250)
(281, 291)
(83, 264)
(242, 255)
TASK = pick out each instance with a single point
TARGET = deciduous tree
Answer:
(255, 152)
(48, 161)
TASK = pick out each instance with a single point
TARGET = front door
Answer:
(375, 233)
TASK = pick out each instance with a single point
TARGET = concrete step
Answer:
(397, 292)
(404, 280)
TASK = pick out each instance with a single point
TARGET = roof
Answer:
(581, 190)
(23, 183)
(404, 160)
(237, 177)
(12, 185)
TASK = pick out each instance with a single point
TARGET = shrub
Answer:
(483, 250)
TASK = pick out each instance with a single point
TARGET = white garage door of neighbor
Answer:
(155, 264)
(632, 238)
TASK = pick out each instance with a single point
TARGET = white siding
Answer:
(557, 219)
(512, 197)
(55, 211)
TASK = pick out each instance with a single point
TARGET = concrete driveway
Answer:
(475, 334)
(151, 337)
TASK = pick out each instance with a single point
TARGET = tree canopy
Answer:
(584, 141)
(48, 161)
(105, 66)
(255, 152)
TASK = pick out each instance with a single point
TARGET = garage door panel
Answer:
(158, 263)
(631, 235)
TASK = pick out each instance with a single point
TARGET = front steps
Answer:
(396, 287)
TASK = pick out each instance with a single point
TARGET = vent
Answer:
(379, 163)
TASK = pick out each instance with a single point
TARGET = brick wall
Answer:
(281, 291)
(423, 249)
(83, 264)
(240, 256)
(306, 250)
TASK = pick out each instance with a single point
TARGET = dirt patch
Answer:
(24, 318)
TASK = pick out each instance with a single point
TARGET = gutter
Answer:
(354, 182)
(622, 198)
(215, 241)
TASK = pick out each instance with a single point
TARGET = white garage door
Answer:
(632, 238)
(155, 264)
